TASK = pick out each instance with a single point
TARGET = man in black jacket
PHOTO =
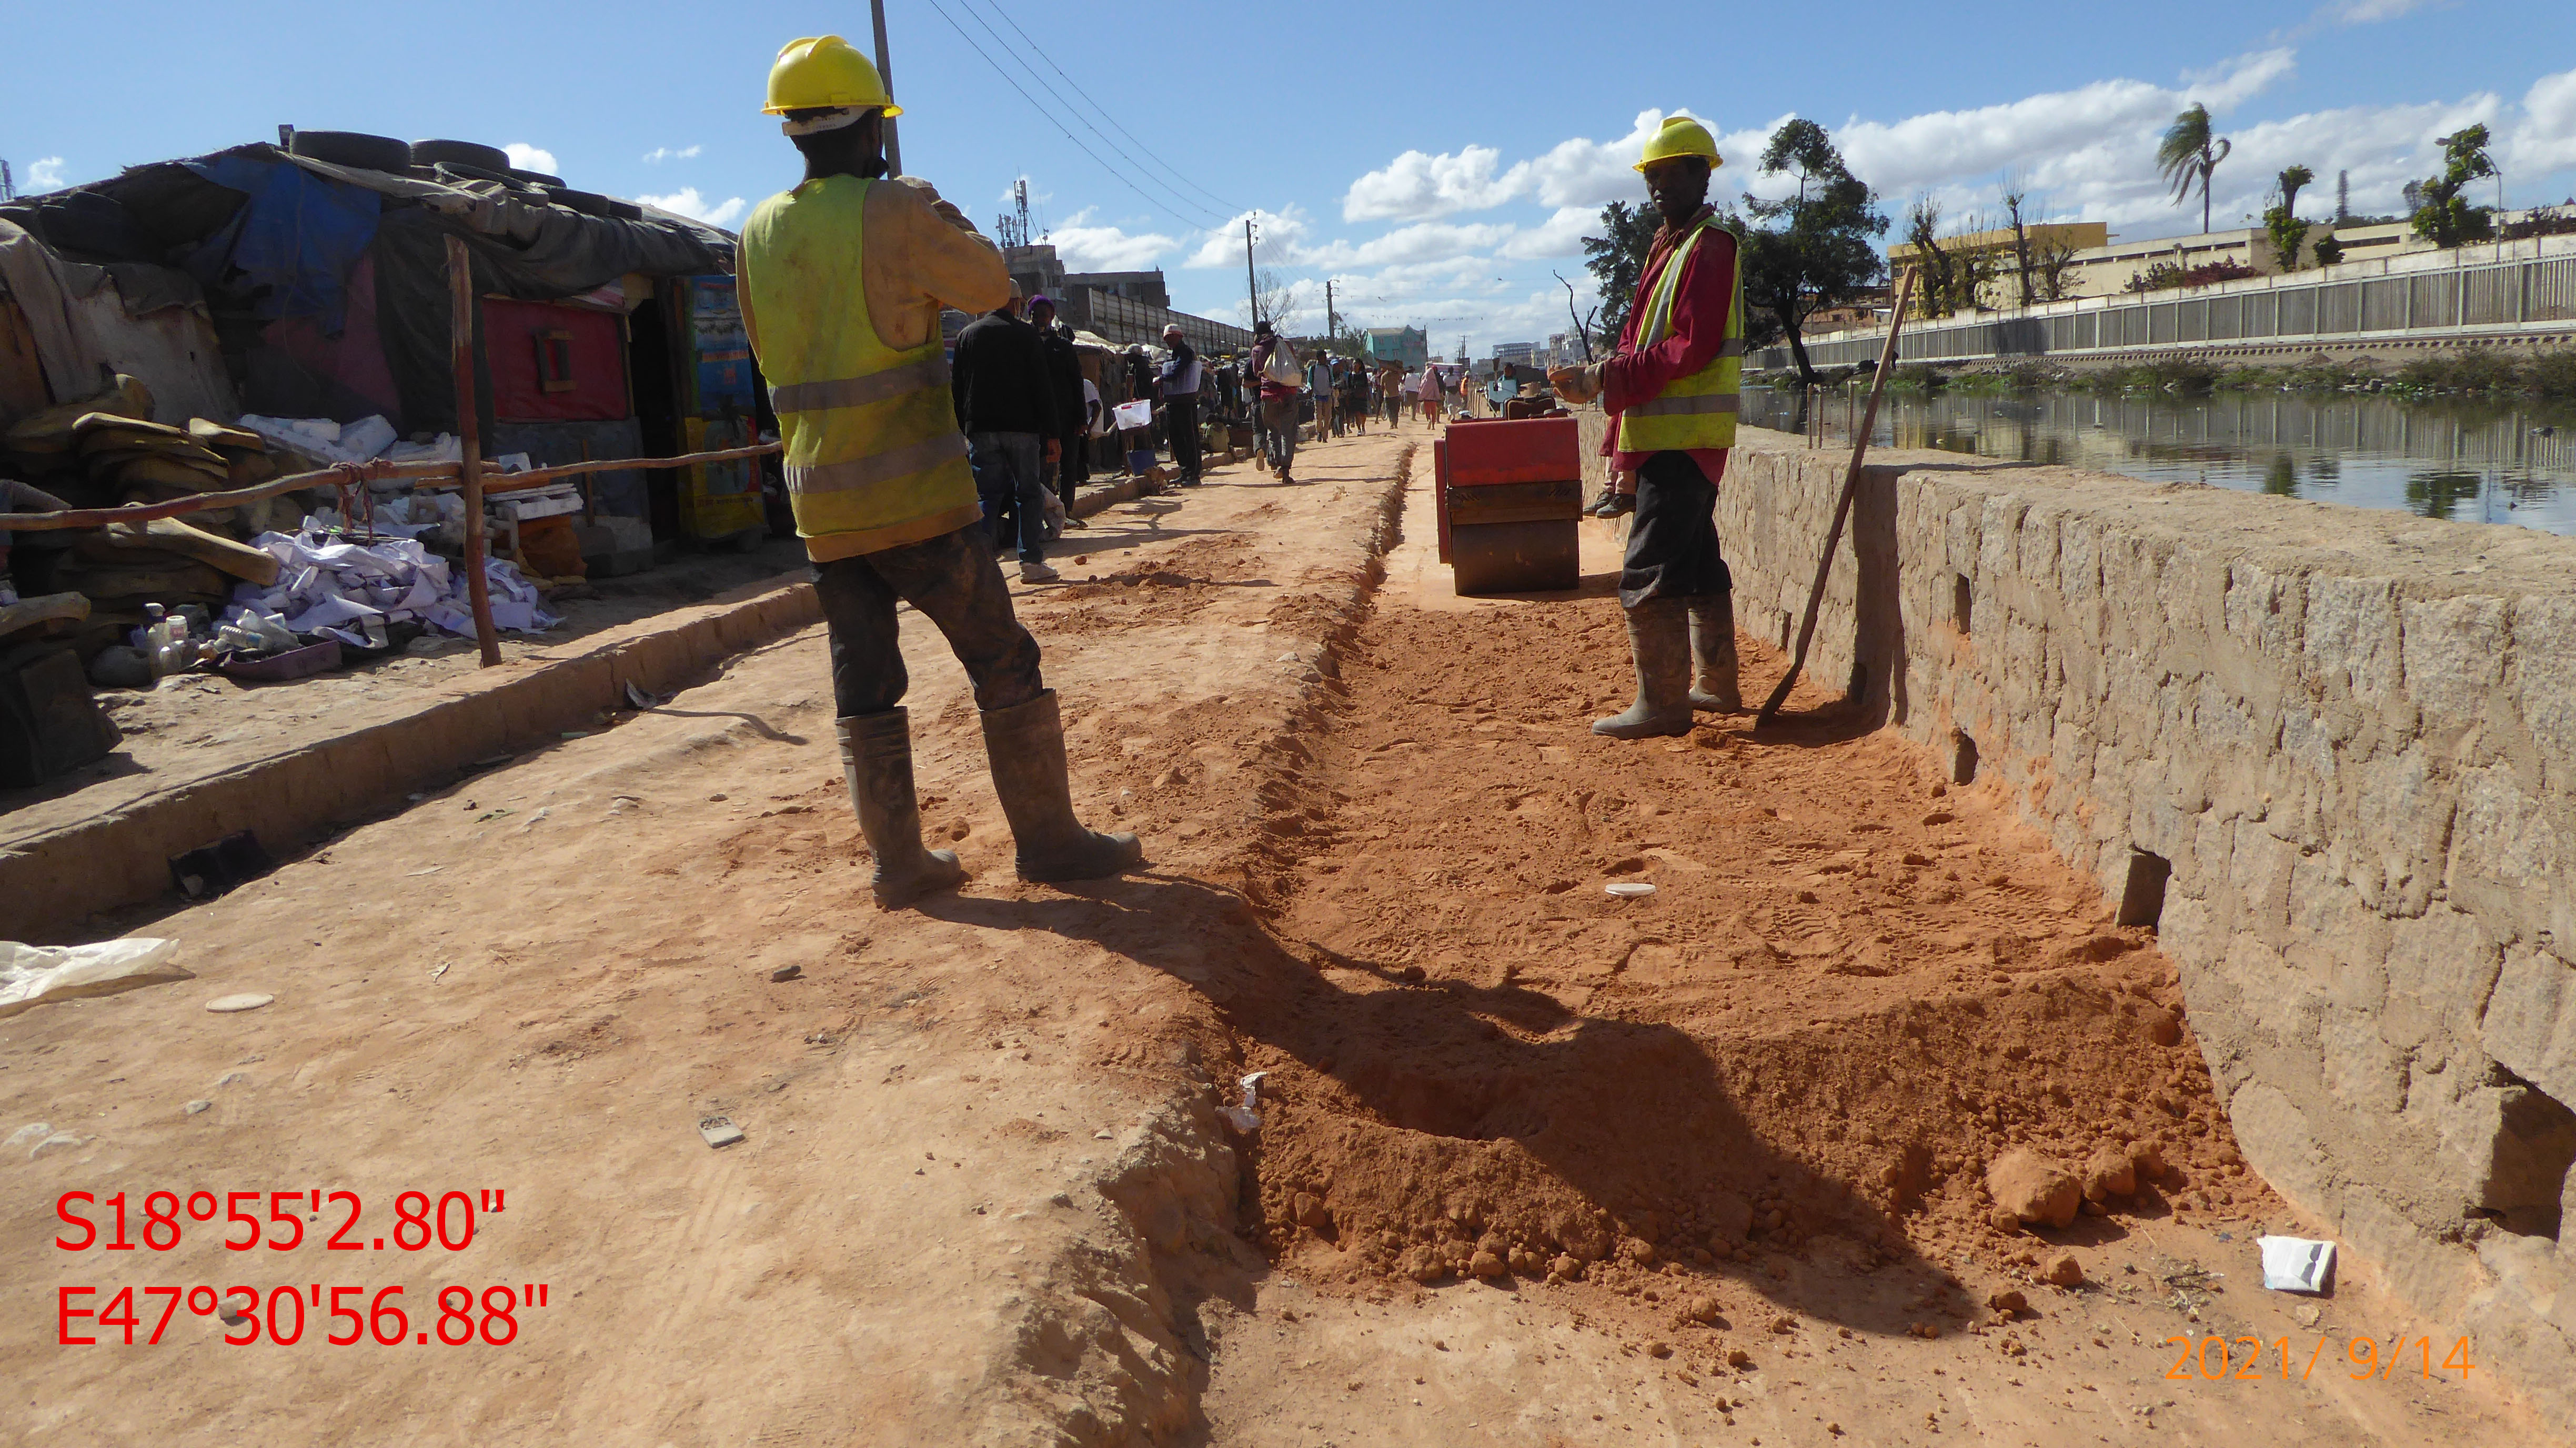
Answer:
(1182, 377)
(1064, 370)
(1006, 407)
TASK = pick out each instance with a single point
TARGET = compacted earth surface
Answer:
(1524, 1162)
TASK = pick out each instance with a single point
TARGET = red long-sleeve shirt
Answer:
(1634, 374)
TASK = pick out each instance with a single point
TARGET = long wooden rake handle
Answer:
(1842, 506)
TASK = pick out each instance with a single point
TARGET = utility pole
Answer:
(1330, 329)
(1251, 286)
(885, 72)
(8, 183)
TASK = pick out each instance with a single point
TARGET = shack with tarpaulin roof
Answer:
(293, 281)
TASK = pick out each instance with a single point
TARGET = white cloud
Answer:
(1084, 247)
(687, 202)
(658, 155)
(2370, 12)
(2546, 139)
(1277, 236)
(524, 157)
(1418, 187)
(1560, 236)
(46, 175)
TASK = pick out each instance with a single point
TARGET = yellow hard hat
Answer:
(1681, 136)
(819, 72)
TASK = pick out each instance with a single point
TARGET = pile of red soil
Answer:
(1851, 990)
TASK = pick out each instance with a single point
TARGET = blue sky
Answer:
(1437, 163)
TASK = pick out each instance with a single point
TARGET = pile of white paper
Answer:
(335, 588)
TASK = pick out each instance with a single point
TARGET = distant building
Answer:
(1516, 353)
(1135, 286)
(1035, 268)
(1410, 346)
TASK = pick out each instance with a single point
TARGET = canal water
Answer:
(2474, 462)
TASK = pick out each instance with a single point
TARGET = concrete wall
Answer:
(2352, 736)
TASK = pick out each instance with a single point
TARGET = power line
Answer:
(1234, 207)
(1184, 202)
(1041, 110)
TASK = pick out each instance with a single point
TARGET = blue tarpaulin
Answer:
(291, 248)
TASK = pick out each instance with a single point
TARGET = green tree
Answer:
(2188, 155)
(2445, 217)
(2281, 222)
(1811, 250)
(1617, 258)
(1935, 269)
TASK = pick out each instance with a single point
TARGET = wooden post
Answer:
(469, 439)
(1842, 505)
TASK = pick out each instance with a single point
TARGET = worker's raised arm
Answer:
(940, 253)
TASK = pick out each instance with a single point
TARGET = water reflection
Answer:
(2473, 462)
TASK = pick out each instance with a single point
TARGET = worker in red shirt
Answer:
(1670, 388)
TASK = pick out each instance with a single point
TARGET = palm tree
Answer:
(2188, 154)
(2292, 179)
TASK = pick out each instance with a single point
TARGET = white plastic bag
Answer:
(33, 974)
(1139, 413)
(1282, 368)
(1054, 513)
(2295, 1264)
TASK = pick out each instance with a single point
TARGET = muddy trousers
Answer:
(1279, 417)
(956, 582)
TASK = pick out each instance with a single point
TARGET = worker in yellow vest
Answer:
(1670, 389)
(842, 281)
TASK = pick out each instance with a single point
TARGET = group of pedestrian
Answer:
(1017, 391)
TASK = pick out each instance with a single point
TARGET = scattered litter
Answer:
(2295, 1264)
(719, 1131)
(59, 1141)
(1246, 1118)
(247, 1001)
(1630, 889)
(441, 969)
(216, 869)
(28, 1135)
(432, 870)
(640, 698)
(787, 972)
(195, 1107)
(535, 818)
(33, 974)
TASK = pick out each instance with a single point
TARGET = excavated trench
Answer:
(1853, 986)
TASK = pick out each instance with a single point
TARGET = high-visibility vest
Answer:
(874, 458)
(1697, 411)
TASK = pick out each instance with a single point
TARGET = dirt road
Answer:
(984, 1196)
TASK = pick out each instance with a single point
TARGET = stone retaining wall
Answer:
(2350, 736)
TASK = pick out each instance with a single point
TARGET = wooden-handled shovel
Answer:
(1842, 506)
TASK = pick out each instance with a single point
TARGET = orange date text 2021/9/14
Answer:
(2250, 1359)
(377, 1315)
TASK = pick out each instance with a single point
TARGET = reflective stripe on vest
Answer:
(873, 454)
(1697, 411)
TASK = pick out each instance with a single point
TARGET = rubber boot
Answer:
(1025, 744)
(1659, 637)
(876, 758)
(1714, 686)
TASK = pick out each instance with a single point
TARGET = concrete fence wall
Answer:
(2350, 736)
